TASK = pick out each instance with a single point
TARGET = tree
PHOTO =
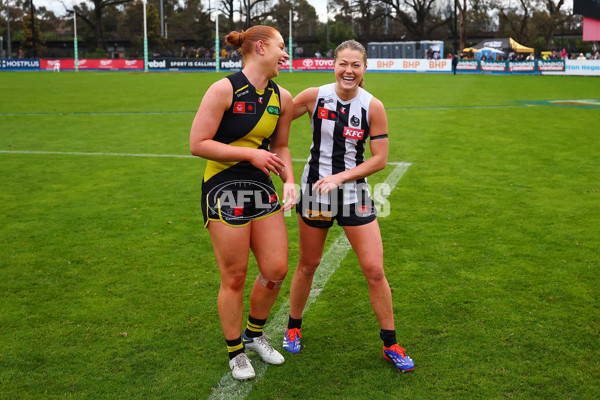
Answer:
(417, 16)
(94, 17)
(228, 8)
(29, 30)
(551, 20)
(514, 21)
(250, 10)
(131, 25)
(191, 22)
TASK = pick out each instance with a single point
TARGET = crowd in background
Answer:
(545, 55)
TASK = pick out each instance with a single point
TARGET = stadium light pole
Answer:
(290, 38)
(327, 23)
(217, 49)
(455, 27)
(8, 42)
(162, 19)
(33, 28)
(145, 39)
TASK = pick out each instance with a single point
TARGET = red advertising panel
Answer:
(313, 64)
(105, 63)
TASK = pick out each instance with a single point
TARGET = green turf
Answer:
(108, 283)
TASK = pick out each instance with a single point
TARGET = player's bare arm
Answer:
(304, 102)
(214, 104)
(279, 146)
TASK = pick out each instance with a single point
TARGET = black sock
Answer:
(234, 347)
(388, 337)
(294, 323)
(255, 327)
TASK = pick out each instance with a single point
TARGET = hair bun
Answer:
(235, 39)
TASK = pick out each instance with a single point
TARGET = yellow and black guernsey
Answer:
(238, 192)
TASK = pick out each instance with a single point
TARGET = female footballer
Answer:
(343, 116)
(242, 128)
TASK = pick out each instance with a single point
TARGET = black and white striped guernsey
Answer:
(340, 131)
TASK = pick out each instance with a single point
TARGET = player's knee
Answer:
(374, 274)
(271, 281)
(234, 281)
(308, 265)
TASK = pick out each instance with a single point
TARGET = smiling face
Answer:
(349, 69)
(275, 54)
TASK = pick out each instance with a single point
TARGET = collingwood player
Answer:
(343, 117)
(242, 129)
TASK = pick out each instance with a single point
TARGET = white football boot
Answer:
(261, 346)
(241, 368)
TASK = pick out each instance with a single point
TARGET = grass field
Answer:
(108, 282)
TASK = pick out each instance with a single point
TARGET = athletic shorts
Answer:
(238, 202)
(320, 215)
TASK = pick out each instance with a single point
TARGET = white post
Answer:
(75, 41)
(145, 39)
(290, 39)
(217, 49)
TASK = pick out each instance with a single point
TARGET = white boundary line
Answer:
(81, 153)
(229, 388)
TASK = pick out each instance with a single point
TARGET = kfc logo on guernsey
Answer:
(354, 133)
(242, 107)
(324, 113)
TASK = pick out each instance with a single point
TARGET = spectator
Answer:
(530, 57)
(563, 54)
(581, 57)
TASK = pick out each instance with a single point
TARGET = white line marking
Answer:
(229, 388)
(79, 153)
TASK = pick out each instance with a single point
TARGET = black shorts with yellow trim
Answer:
(321, 215)
(238, 202)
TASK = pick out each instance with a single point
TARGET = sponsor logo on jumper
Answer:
(243, 92)
(260, 100)
(353, 133)
(273, 110)
(242, 107)
(343, 110)
(327, 101)
(363, 209)
(354, 121)
(324, 113)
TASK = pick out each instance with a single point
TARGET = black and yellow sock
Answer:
(294, 323)
(388, 337)
(255, 327)
(234, 347)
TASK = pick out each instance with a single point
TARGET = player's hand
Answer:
(327, 184)
(267, 162)
(290, 195)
